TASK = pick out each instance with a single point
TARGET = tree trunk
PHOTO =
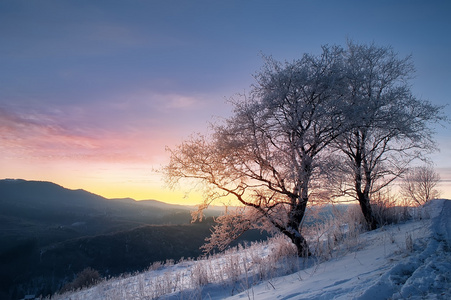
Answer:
(364, 201)
(363, 196)
(301, 245)
(293, 232)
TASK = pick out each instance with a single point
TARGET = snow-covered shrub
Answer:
(156, 265)
(284, 254)
(343, 229)
(233, 268)
(199, 274)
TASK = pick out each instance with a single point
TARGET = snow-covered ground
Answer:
(403, 261)
(408, 261)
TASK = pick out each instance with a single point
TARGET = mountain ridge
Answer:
(19, 181)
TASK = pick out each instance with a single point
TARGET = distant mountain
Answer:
(49, 204)
(37, 193)
(38, 198)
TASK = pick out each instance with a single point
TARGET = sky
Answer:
(92, 92)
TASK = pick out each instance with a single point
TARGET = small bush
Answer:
(86, 278)
(387, 210)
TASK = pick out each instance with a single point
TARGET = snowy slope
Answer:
(408, 261)
(404, 261)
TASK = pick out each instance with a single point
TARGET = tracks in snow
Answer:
(426, 271)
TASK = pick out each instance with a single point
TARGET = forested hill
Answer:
(50, 203)
(49, 233)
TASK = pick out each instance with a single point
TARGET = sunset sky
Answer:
(91, 92)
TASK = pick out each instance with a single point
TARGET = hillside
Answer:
(405, 261)
(410, 260)
(50, 233)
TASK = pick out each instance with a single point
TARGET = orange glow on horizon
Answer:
(119, 178)
(146, 189)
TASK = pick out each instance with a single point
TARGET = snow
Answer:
(403, 261)
(386, 268)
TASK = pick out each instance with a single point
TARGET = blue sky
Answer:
(91, 92)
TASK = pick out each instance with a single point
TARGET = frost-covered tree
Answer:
(349, 113)
(391, 127)
(419, 184)
(269, 154)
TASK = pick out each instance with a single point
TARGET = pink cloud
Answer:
(45, 136)
(131, 127)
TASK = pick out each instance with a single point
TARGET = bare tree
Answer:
(390, 126)
(269, 153)
(419, 184)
